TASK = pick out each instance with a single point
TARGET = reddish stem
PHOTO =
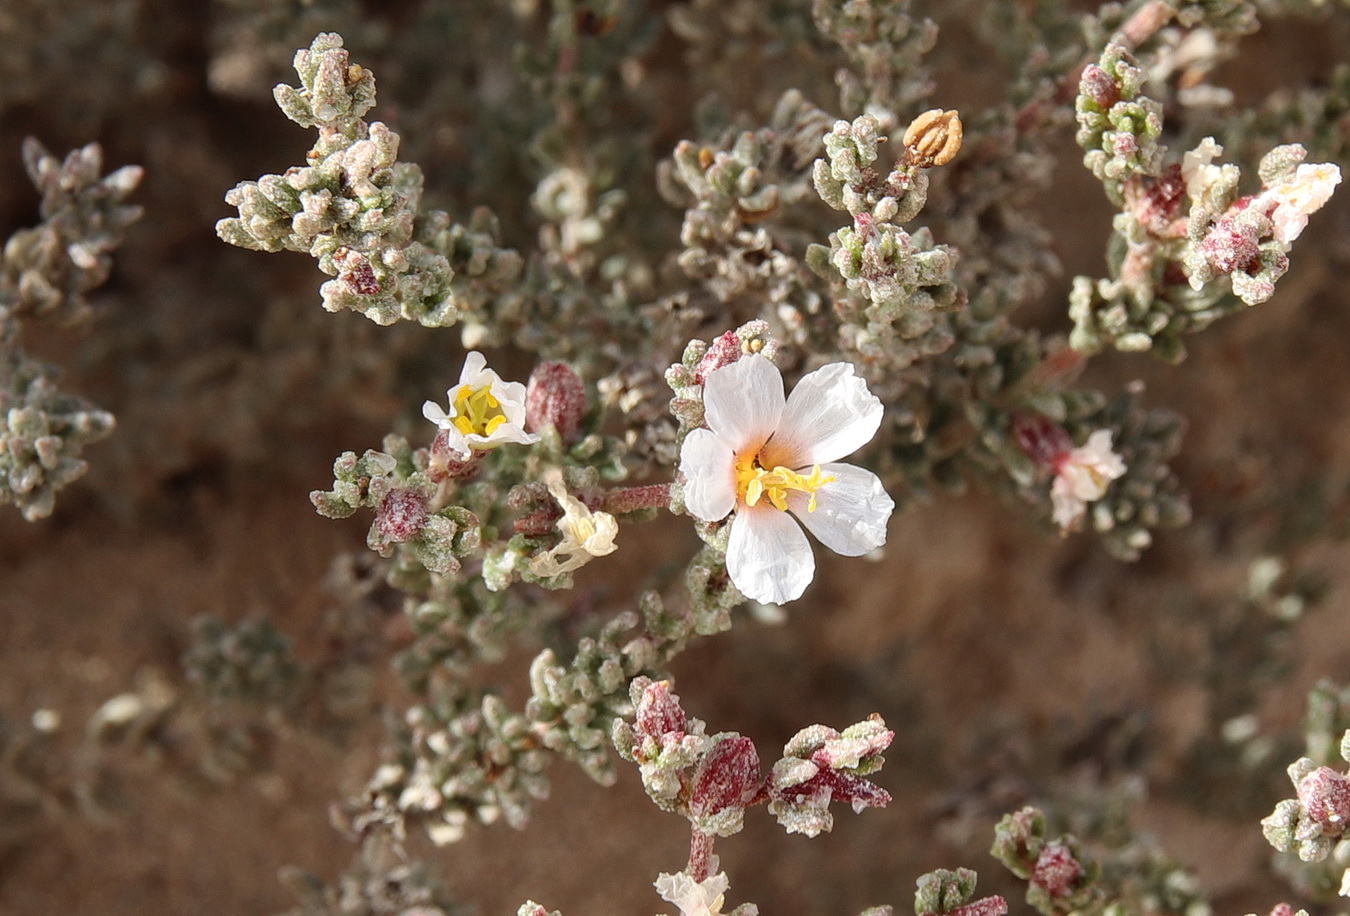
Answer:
(633, 499)
(700, 855)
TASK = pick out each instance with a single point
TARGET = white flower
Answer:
(1298, 196)
(1197, 170)
(763, 457)
(484, 413)
(586, 534)
(694, 898)
(1082, 476)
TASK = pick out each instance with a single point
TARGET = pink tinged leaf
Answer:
(1056, 870)
(1324, 795)
(727, 777)
(743, 403)
(724, 351)
(829, 416)
(401, 515)
(659, 711)
(986, 906)
(841, 786)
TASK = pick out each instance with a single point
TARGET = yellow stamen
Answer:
(754, 482)
(477, 412)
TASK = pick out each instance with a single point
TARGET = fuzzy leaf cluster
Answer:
(42, 431)
(398, 484)
(46, 270)
(1118, 126)
(357, 209)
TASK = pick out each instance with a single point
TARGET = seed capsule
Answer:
(933, 138)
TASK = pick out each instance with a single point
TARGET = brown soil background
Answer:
(1010, 664)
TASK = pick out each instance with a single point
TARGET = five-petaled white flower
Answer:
(586, 535)
(1082, 476)
(764, 456)
(694, 898)
(485, 412)
(1298, 196)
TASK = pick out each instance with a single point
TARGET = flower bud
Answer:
(1056, 870)
(1325, 797)
(556, 397)
(401, 515)
(933, 138)
(724, 351)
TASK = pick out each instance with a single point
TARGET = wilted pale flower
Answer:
(1298, 196)
(763, 457)
(1082, 476)
(485, 412)
(1197, 168)
(694, 898)
(586, 534)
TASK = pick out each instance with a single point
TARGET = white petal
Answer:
(436, 413)
(851, 510)
(768, 556)
(743, 401)
(709, 469)
(474, 364)
(506, 432)
(830, 414)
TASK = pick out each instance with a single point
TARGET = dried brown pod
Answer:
(933, 138)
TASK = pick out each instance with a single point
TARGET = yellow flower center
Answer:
(477, 411)
(754, 482)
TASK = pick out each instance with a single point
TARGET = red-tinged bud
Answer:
(1325, 797)
(1097, 85)
(1232, 244)
(447, 463)
(1044, 441)
(1157, 202)
(556, 397)
(1282, 909)
(985, 906)
(728, 777)
(401, 515)
(1056, 870)
(659, 711)
(724, 351)
(356, 273)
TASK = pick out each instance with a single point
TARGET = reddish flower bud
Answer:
(724, 351)
(556, 397)
(1098, 85)
(659, 711)
(728, 777)
(447, 463)
(1325, 797)
(1044, 441)
(1056, 870)
(401, 515)
(985, 906)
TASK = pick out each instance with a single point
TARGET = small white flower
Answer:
(1082, 476)
(485, 412)
(1298, 196)
(586, 535)
(694, 898)
(764, 456)
(1197, 169)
